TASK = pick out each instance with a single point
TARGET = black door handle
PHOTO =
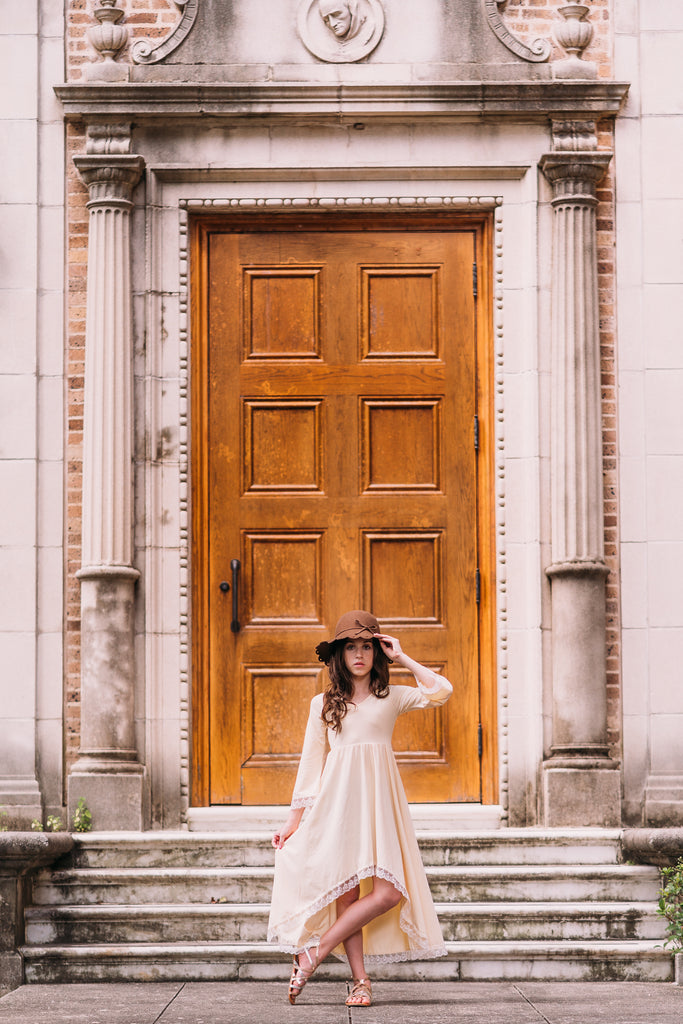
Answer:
(235, 624)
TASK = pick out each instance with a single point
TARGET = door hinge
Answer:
(477, 586)
(475, 274)
(480, 740)
(476, 433)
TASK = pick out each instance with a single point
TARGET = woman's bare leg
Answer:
(359, 913)
(354, 944)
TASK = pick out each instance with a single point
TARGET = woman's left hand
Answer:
(390, 645)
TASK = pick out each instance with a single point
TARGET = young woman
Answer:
(350, 878)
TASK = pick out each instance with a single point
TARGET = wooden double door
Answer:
(340, 426)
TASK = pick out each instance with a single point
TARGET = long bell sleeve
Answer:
(424, 696)
(312, 760)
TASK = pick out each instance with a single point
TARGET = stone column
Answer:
(581, 783)
(108, 774)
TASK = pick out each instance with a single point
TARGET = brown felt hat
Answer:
(355, 625)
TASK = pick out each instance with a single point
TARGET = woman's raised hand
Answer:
(390, 645)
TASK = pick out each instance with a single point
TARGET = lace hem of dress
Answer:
(420, 950)
(302, 802)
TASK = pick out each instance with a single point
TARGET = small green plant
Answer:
(670, 905)
(54, 823)
(82, 819)
(4, 827)
(37, 826)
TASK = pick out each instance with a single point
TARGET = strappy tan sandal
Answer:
(361, 993)
(300, 975)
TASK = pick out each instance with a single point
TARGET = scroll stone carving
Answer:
(151, 51)
(539, 50)
(341, 31)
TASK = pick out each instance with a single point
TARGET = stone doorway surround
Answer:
(537, 174)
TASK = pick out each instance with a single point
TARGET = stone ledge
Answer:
(20, 854)
(153, 102)
(660, 846)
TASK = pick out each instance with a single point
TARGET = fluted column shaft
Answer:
(107, 436)
(107, 771)
(578, 570)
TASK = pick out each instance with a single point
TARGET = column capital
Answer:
(574, 175)
(110, 177)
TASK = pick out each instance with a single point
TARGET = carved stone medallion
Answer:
(341, 31)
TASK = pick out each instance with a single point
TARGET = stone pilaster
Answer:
(581, 782)
(108, 774)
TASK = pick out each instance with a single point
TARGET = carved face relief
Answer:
(341, 31)
(337, 16)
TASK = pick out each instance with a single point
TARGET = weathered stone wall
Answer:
(649, 146)
(529, 19)
(31, 410)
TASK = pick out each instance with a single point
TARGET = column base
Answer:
(21, 802)
(11, 972)
(114, 796)
(581, 793)
(664, 799)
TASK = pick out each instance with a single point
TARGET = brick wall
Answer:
(152, 18)
(533, 19)
(606, 240)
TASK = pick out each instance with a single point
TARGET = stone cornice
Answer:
(524, 101)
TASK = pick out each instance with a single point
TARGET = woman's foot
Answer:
(301, 974)
(361, 993)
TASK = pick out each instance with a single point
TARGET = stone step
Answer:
(253, 848)
(247, 923)
(516, 883)
(467, 961)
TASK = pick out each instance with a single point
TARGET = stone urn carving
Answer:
(574, 34)
(108, 38)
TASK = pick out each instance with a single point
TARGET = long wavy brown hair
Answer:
(339, 689)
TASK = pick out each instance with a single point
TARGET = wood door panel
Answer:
(335, 459)
(282, 312)
(275, 710)
(409, 295)
(282, 446)
(284, 579)
(401, 445)
(385, 380)
(403, 577)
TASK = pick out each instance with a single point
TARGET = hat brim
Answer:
(325, 649)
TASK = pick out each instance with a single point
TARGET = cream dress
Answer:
(358, 826)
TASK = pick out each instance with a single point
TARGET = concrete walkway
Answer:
(323, 1003)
